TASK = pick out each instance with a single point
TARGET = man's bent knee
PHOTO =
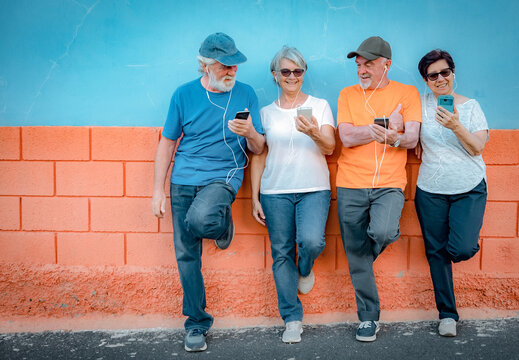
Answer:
(462, 253)
(205, 222)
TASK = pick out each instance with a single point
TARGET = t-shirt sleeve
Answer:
(173, 126)
(327, 116)
(412, 107)
(343, 109)
(254, 112)
(478, 120)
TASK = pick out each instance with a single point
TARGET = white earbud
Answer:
(453, 75)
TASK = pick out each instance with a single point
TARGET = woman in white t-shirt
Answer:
(295, 185)
(451, 190)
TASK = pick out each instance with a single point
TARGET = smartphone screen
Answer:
(242, 115)
(446, 102)
(384, 122)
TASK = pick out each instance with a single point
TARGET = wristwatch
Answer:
(397, 142)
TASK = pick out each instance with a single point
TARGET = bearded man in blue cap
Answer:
(208, 168)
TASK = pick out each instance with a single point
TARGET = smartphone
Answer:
(242, 115)
(306, 112)
(384, 122)
(446, 102)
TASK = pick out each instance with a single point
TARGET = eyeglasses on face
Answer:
(296, 72)
(444, 73)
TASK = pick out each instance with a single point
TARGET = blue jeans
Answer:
(369, 221)
(450, 228)
(198, 212)
(295, 220)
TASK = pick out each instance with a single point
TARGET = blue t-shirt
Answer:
(202, 155)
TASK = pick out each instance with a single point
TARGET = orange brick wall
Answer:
(78, 239)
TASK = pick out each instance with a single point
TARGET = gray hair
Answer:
(290, 53)
(204, 61)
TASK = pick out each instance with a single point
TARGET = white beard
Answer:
(365, 85)
(220, 85)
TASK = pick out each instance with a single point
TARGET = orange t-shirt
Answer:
(357, 165)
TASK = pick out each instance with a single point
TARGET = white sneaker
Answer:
(293, 331)
(447, 327)
(306, 283)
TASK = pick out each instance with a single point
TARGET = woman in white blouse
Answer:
(293, 179)
(451, 190)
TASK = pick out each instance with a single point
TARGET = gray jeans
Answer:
(369, 221)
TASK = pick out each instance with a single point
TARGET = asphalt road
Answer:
(477, 339)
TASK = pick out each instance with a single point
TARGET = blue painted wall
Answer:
(116, 62)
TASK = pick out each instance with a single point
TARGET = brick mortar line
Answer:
(489, 237)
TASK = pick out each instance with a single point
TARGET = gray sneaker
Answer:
(447, 327)
(306, 283)
(195, 340)
(367, 331)
(293, 331)
(225, 241)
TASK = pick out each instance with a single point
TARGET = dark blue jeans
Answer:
(295, 220)
(369, 221)
(198, 212)
(450, 228)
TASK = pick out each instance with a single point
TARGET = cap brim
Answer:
(231, 60)
(364, 54)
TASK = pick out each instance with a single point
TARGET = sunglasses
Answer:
(444, 73)
(296, 72)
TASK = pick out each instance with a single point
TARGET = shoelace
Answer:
(365, 324)
(197, 332)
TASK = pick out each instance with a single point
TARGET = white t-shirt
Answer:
(447, 168)
(294, 162)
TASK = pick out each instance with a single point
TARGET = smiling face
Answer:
(442, 85)
(372, 73)
(289, 84)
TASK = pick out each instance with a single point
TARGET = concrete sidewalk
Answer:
(477, 339)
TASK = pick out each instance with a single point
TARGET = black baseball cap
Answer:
(372, 48)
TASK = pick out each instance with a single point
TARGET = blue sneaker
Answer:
(367, 331)
(195, 340)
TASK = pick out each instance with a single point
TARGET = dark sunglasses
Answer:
(444, 73)
(296, 72)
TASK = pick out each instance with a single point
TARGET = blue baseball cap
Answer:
(221, 47)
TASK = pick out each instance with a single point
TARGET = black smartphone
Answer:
(242, 115)
(384, 122)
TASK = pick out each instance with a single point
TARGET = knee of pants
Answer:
(313, 245)
(462, 253)
(204, 223)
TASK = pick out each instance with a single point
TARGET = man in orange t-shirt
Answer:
(371, 174)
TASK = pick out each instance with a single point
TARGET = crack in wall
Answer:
(55, 63)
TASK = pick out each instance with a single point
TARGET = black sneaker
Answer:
(225, 241)
(367, 331)
(195, 340)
